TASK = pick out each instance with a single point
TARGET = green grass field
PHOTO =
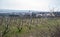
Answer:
(35, 27)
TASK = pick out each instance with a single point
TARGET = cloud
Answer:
(42, 5)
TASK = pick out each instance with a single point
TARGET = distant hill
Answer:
(26, 13)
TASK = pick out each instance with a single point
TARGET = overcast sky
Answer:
(40, 5)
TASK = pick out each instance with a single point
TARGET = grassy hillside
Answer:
(34, 27)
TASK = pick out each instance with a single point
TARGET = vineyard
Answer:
(29, 27)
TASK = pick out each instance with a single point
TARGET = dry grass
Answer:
(35, 27)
